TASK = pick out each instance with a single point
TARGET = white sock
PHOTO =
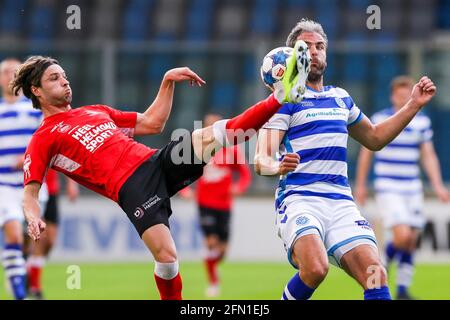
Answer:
(166, 271)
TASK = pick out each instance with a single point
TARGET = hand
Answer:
(443, 194)
(423, 91)
(184, 74)
(361, 195)
(289, 163)
(35, 228)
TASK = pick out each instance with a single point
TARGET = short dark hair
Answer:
(305, 25)
(29, 74)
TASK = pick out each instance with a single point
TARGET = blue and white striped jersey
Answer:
(316, 129)
(18, 121)
(396, 165)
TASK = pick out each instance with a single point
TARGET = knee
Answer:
(13, 232)
(14, 238)
(165, 255)
(402, 242)
(314, 273)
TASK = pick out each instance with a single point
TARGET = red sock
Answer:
(34, 277)
(211, 268)
(253, 118)
(169, 289)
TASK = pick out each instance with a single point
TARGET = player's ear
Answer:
(36, 91)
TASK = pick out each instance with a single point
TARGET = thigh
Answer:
(392, 208)
(208, 221)
(348, 230)
(144, 197)
(223, 226)
(10, 205)
(308, 251)
(51, 214)
(179, 163)
(13, 231)
(416, 216)
(295, 220)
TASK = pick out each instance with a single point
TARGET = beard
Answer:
(316, 72)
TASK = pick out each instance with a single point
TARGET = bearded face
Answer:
(317, 49)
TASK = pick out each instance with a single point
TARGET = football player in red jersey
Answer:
(214, 194)
(92, 146)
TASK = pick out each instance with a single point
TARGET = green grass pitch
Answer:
(252, 281)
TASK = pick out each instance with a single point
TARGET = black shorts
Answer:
(145, 196)
(51, 213)
(215, 222)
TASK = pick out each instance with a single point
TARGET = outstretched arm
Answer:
(32, 210)
(269, 141)
(431, 165)
(153, 120)
(375, 136)
(362, 171)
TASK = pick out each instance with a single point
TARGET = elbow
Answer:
(376, 143)
(158, 128)
(155, 127)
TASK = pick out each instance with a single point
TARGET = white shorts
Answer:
(11, 203)
(396, 209)
(339, 224)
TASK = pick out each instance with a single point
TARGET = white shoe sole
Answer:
(303, 67)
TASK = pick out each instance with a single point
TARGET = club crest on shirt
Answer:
(340, 103)
(302, 220)
(61, 127)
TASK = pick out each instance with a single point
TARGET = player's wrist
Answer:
(267, 167)
(414, 105)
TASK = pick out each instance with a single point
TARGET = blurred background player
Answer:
(316, 215)
(18, 121)
(398, 187)
(214, 195)
(39, 251)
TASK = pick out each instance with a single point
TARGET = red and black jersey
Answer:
(214, 188)
(91, 145)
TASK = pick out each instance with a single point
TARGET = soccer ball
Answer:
(274, 65)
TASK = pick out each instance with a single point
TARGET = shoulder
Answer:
(286, 108)
(338, 92)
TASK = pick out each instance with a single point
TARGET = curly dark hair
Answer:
(29, 74)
